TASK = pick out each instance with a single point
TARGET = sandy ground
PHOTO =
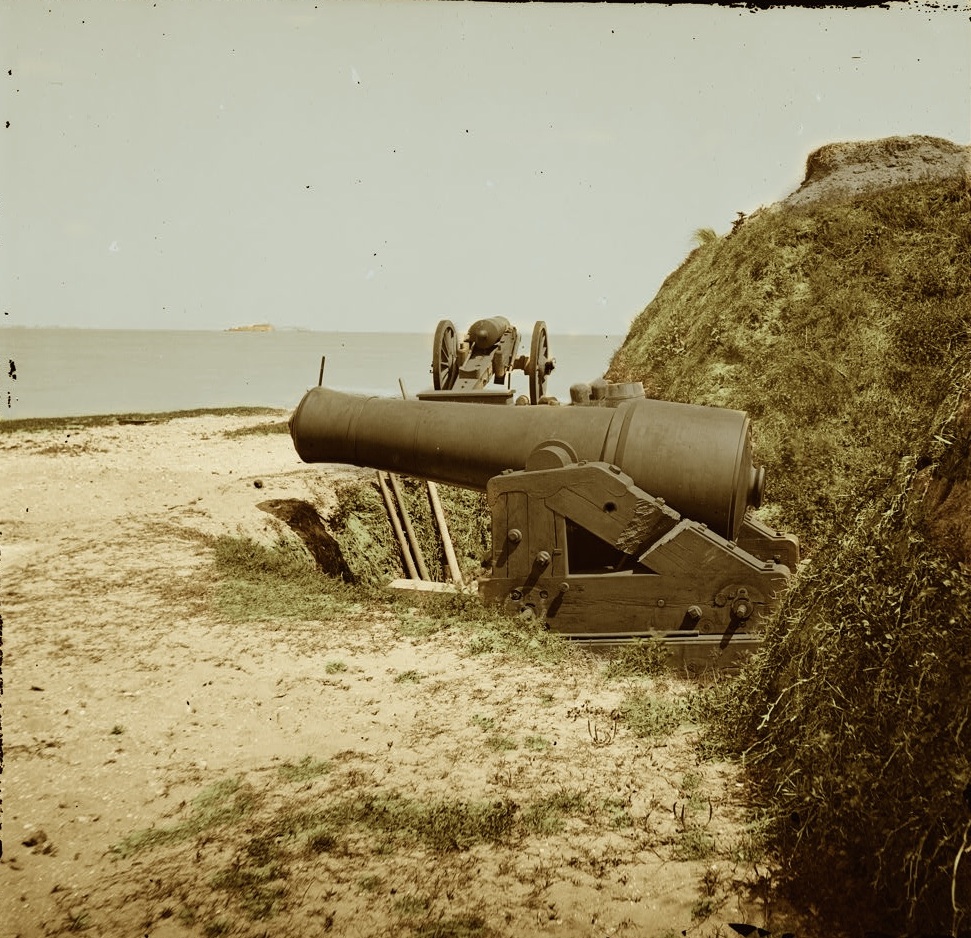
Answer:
(127, 698)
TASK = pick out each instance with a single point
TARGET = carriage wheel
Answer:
(445, 356)
(540, 364)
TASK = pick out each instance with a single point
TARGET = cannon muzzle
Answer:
(698, 459)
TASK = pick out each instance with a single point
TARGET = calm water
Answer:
(73, 372)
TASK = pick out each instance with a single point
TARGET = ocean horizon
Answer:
(54, 371)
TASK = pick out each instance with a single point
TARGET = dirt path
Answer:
(130, 706)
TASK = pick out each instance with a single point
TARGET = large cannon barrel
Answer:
(698, 459)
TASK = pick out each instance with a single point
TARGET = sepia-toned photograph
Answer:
(485, 469)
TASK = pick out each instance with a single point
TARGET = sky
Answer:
(379, 165)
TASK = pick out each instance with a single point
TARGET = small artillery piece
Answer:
(610, 522)
(461, 371)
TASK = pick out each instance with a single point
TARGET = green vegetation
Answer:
(367, 542)
(34, 424)
(259, 429)
(257, 582)
(497, 742)
(408, 677)
(856, 719)
(843, 328)
(222, 803)
(342, 822)
(306, 769)
(652, 716)
(837, 327)
(640, 658)
(489, 630)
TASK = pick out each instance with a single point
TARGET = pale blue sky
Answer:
(381, 165)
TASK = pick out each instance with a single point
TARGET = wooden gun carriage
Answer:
(609, 522)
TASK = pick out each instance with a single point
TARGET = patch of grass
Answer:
(370, 883)
(414, 623)
(117, 730)
(408, 677)
(361, 526)
(259, 429)
(754, 843)
(79, 921)
(524, 639)
(694, 844)
(691, 789)
(497, 742)
(640, 658)
(650, 715)
(490, 630)
(222, 803)
(536, 743)
(484, 723)
(256, 582)
(375, 823)
(335, 667)
(257, 887)
(321, 840)
(219, 926)
(410, 905)
(442, 825)
(307, 768)
(548, 814)
(617, 812)
(704, 907)
(461, 926)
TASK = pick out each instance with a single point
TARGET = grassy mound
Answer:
(843, 326)
(837, 326)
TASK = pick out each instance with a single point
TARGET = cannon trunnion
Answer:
(609, 522)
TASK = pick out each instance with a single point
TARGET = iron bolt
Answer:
(515, 535)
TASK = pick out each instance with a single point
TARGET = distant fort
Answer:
(256, 327)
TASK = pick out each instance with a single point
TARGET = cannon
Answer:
(471, 370)
(609, 522)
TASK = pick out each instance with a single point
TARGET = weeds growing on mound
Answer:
(832, 325)
(842, 328)
(855, 723)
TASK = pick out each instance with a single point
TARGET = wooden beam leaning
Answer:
(453, 565)
(409, 528)
(396, 524)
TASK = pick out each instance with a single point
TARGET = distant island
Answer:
(256, 327)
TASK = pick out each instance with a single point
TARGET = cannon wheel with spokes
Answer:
(540, 364)
(445, 356)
